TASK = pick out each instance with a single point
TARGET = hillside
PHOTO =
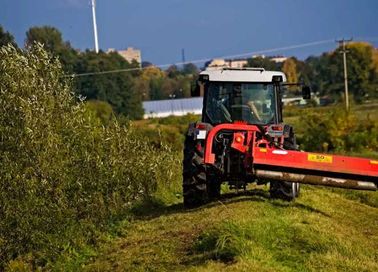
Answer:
(81, 192)
(324, 230)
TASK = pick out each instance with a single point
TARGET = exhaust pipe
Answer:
(317, 180)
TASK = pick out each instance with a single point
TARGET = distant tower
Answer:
(183, 57)
(95, 24)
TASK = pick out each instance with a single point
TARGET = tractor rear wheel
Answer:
(213, 187)
(198, 186)
(195, 189)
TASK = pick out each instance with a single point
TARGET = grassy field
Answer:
(324, 230)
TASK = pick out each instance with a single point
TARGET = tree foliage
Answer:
(53, 42)
(375, 62)
(265, 63)
(360, 64)
(156, 84)
(190, 69)
(125, 91)
(325, 73)
(49, 36)
(6, 38)
(117, 89)
(338, 131)
(360, 67)
(290, 69)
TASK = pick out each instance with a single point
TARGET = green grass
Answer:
(324, 230)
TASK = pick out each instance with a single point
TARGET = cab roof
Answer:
(241, 74)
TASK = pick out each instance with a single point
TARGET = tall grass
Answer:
(290, 237)
(63, 174)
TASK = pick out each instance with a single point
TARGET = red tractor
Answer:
(241, 139)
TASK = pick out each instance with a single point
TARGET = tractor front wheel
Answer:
(283, 189)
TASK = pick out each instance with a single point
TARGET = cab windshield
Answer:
(253, 103)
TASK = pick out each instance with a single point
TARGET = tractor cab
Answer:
(249, 95)
(253, 103)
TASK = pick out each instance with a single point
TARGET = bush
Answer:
(102, 110)
(338, 131)
(169, 130)
(63, 174)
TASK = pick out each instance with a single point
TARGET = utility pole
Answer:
(183, 57)
(344, 52)
(95, 25)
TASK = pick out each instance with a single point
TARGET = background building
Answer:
(240, 63)
(278, 59)
(176, 107)
(130, 54)
(228, 63)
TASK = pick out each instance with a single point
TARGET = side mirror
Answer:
(195, 89)
(306, 92)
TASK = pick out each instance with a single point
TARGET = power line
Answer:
(271, 50)
(106, 72)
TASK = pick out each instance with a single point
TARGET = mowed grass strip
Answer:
(322, 231)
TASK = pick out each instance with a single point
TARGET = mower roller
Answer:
(242, 139)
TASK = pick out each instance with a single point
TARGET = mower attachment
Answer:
(272, 162)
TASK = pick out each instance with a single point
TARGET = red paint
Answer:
(299, 160)
(238, 142)
(209, 156)
(261, 152)
(201, 126)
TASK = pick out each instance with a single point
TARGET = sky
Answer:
(204, 28)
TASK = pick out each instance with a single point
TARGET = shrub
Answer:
(168, 131)
(338, 131)
(63, 174)
(101, 110)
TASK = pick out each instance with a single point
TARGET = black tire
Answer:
(284, 189)
(195, 189)
(213, 187)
